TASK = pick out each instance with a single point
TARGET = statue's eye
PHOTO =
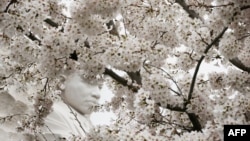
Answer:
(100, 86)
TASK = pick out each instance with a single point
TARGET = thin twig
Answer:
(245, 36)
(76, 118)
(45, 85)
(211, 6)
(50, 130)
(42, 136)
(173, 91)
(176, 124)
(9, 117)
(202, 39)
(170, 77)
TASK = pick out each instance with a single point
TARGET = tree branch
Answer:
(236, 62)
(123, 81)
(200, 61)
(135, 76)
(192, 14)
(32, 37)
(245, 7)
(51, 23)
(76, 118)
(9, 4)
(29, 35)
(169, 77)
(175, 108)
(194, 119)
(119, 79)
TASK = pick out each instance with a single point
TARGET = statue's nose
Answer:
(96, 95)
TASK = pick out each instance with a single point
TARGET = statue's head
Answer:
(81, 94)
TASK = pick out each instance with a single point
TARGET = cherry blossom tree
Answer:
(159, 45)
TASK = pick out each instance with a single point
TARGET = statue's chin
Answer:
(85, 110)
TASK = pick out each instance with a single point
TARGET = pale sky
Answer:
(103, 118)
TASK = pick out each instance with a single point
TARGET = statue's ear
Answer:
(60, 85)
(62, 77)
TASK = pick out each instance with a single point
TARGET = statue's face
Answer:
(80, 95)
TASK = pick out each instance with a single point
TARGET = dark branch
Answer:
(135, 76)
(175, 108)
(192, 14)
(51, 23)
(200, 61)
(119, 79)
(236, 62)
(194, 119)
(244, 36)
(46, 87)
(245, 7)
(9, 4)
(32, 37)
(29, 35)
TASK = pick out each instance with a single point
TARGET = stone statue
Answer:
(71, 116)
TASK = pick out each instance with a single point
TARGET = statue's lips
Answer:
(92, 102)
